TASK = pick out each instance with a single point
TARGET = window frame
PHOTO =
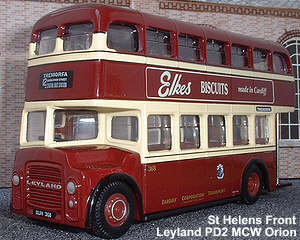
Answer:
(172, 43)
(284, 57)
(138, 35)
(262, 138)
(66, 35)
(248, 55)
(183, 144)
(64, 121)
(160, 145)
(268, 58)
(27, 126)
(217, 143)
(124, 116)
(225, 51)
(289, 123)
(241, 141)
(199, 49)
(39, 39)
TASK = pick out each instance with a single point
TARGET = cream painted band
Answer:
(142, 109)
(99, 51)
(213, 152)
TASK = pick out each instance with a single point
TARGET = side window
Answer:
(189, 47)
(123, 37)
(216, 131)
(240, 130)
(189, 132)
(78, 36)
(158, 42)
(279, 63)
(159, 132)
(36, 122)
(46, 41)
(215, 52)
(260, 59)
(124, 128)
(261, 130)
(239, 56)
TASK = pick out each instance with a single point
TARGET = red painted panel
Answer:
(285, 93)
(123, 81)
(161, 183)
(120, 80)
(189, 182)
(86, 166)
(85, 82)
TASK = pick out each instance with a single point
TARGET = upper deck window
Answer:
(215, 52)
(46, 41)
(189, 47)
(260, 59)
(78, 36)
(279, 63)
(158, 42)
(123, 37)
(239, 56)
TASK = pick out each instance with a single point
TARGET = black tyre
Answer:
(114, 211)
(251, 185)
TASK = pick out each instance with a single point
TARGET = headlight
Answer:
(16, 180)
(71, 204)
(71, 188)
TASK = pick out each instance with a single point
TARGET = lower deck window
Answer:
(261, 130)
(124, 128)
(36, 126)
(189, 132)
(216, 131)
(240, 130)
(159, 132)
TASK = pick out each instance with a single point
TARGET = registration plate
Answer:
(42, 213)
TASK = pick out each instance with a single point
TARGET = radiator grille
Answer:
(44, 186)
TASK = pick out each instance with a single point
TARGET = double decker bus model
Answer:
(130, 116)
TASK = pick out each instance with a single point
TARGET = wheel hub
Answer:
(116, 210)
(253, 184)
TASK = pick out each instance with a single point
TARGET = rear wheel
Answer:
(251, 185)
(114, 211)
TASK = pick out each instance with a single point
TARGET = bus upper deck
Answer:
(82, 52)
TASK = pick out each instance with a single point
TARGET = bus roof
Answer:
(102, 15)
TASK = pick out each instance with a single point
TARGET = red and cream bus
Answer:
(130, 116)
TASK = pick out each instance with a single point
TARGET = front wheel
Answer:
(114, 211)
(251, 185)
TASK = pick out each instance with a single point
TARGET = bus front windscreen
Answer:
(73, 125)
